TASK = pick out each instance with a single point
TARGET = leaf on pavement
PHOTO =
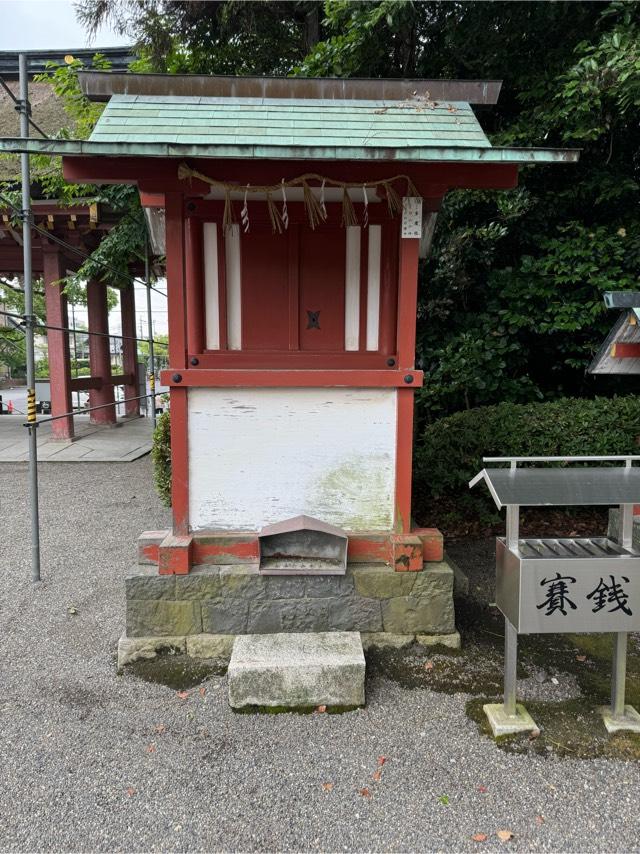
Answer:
(131, 791)
(479, 837)
(483, 790)
(160, 728)
(539, 819)
(321, 708)
(505, 835)
(328, 787)
(377, 775)
(183, 694)
(203, 691)
(151, 748)
(428, 665)
(381, 760)
(366, 793)
(581, 657)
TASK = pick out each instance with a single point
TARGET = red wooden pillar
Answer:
(58, 344)
(177, 301)
(407, 304)
(130, 349)
(99, 355)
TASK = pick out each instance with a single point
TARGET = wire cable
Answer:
(55, 239)
(16, 101)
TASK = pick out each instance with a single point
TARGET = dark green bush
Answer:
(161, 456)
(449, 452)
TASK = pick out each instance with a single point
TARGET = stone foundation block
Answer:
(210, 646)
(452, 641)
(145, 583)
(162, 618)
(225, 616)
(428, 609)
(381, 582)
(407, 553)
(297, 670)
(133, 649)
(384, 640)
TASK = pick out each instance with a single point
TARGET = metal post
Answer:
(29, 322)
(510, 668)
(152, 364)
(626, 526)
(619, 674)
(513, 526)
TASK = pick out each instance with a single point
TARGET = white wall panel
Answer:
(373, 287)
(234, 288)
(352, 289)
(258, 456)
(211, 290)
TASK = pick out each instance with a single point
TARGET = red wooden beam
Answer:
(58, 344)
(206, 378)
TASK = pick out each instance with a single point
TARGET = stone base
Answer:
(236, 599)
(629, 723)
(502, 724)
(297, 671)
(133, 649)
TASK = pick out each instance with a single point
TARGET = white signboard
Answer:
(412, 217)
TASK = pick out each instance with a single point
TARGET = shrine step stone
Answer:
(297, 671)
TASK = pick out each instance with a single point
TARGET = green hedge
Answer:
(449, 452)
(161, 456)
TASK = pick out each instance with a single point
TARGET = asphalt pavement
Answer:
(93, 761)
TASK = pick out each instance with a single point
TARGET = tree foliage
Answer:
(510, 301)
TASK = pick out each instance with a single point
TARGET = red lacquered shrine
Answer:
(295, 212)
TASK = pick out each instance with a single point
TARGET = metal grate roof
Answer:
(562, 487)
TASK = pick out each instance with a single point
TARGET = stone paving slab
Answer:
(128, 441)
(296, 670)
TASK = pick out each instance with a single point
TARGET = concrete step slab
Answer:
(297, 671)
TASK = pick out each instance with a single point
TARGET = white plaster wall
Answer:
(258, 456)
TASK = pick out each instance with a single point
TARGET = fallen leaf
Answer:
(131, 791)
(505, 835)
(377, 775)
(160, 728)
(428, 665)
(321, 708)
(539, 819)
(482, 789)
(479, 837)
(328, 787)
(444, 800)
(581, 657)
(535, 733)
(71, 610)
(183, 694)
(365, 792)
(203, 691)
(151, 748)
(381, 760)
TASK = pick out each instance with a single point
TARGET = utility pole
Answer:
(25, 109)
(152, 363)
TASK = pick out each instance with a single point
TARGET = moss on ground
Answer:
(569, 728)
(179, 672)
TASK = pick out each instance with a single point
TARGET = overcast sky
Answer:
(42, 24)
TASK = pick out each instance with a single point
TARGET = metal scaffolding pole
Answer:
(152, 363)
(29, 321)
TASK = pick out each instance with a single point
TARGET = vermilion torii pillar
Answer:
(99, 354)
(129, 349)
(57, 343)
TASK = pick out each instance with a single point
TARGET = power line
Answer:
(81, 331)
(86, 255)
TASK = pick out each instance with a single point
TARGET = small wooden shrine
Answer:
(295, 213)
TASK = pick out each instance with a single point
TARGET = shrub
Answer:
(449, 452)
(161, 456)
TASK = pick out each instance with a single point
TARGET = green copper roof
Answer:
(360, 125)
(412, 130)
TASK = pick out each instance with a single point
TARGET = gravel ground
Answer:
(96, 762)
